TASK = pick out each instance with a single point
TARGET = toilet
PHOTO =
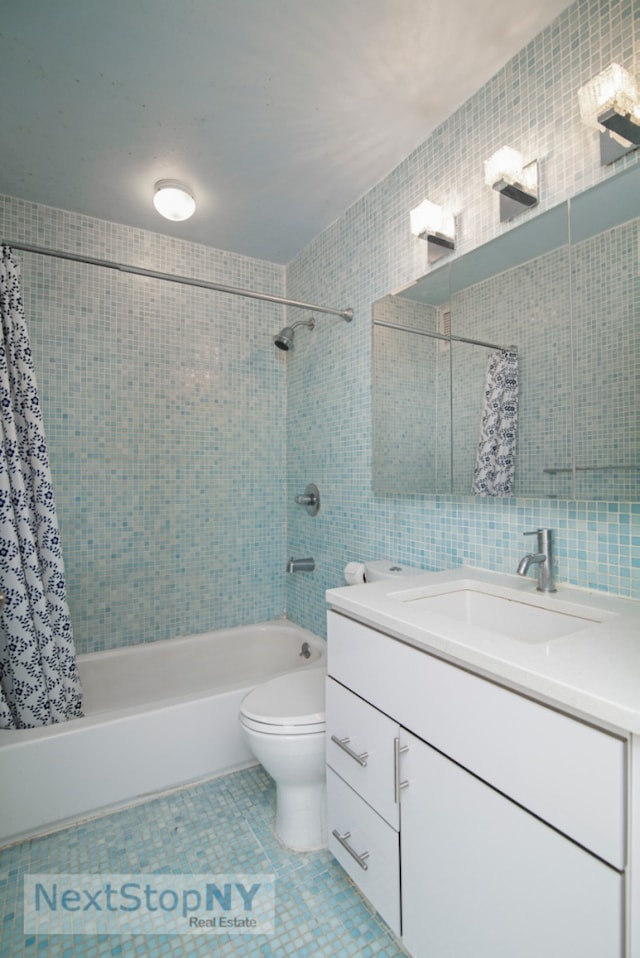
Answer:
(381, 569)
(283, 723)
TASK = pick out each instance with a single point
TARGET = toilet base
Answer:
(301, 816)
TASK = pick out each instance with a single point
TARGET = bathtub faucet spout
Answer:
(301, 565)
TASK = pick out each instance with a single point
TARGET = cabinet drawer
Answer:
(569, 774)
(371, 737)
(371, 838)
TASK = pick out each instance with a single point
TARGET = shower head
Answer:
(284, 339)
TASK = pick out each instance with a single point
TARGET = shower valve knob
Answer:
(310, 499)
(304, 500)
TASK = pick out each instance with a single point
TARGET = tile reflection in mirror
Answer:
(571, 310)
(412, 388)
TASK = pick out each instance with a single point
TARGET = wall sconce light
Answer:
(173, 200)
(610, 103)
(516, 183)
(437, 226)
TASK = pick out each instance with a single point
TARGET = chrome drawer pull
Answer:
(397, 784)
(361, 859)
(343, 743)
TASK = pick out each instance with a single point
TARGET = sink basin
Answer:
(512, 616)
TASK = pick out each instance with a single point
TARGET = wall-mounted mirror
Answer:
(563, 291)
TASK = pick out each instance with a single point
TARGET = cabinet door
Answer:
(482, 878)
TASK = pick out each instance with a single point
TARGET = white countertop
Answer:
(593, 672)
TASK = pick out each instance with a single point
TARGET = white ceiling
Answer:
(279, 113)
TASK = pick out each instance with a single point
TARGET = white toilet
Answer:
(383, 569)
(283, 722)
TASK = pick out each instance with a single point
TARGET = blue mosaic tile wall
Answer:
(531, 104)
(163, 406)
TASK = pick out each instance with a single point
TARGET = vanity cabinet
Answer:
(511, 816)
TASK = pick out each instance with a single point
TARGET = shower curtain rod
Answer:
(184, 280)
(446, 339)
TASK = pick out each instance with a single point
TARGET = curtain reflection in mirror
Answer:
(494, 471)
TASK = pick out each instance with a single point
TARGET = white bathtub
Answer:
(156, 716)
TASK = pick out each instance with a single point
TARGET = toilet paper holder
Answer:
(310, 499)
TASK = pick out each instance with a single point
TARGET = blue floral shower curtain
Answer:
(496, 457)
(39, 682)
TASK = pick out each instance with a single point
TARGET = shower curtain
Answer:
(39, 682)
(496, 456)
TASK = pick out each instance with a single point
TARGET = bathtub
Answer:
(157, 716)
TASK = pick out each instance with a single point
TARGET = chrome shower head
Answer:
(284, 339)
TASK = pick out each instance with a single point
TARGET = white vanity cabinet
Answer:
(512, 825)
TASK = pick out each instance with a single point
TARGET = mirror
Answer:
(412, 399)
(564, 290)
(605, 250)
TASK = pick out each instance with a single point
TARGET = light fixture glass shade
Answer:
(173, 200)
(516, 182)
(613, 89)
(505, 164)
(431, 219)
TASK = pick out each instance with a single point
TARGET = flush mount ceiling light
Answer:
(436, 225)
(516, 182)
(173, 200)
(610, 103)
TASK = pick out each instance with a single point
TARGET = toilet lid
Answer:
(294, 699)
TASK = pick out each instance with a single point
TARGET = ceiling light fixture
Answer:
(173, 200)
(610, 103)
(516, 182)
(436, 225)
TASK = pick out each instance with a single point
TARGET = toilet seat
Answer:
(291, 704)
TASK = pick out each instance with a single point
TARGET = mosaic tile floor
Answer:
(223, 826)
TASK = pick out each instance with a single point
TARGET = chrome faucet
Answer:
(543, 558)
(301, 565)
